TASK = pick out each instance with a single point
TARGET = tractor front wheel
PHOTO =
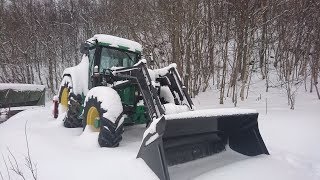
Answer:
(103, 113)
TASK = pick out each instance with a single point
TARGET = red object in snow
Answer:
(55, 111)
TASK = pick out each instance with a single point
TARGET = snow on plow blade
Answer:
(189, 136)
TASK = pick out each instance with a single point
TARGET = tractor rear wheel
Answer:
(103, 113)
(74, 109)
(69, 103)
(65, 89)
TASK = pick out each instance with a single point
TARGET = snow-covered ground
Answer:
(291, 137)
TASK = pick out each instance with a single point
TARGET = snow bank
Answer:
(210, 112)
(262, 168)
(65, 154)
(21, 87)
(88, 138)
(117, 41)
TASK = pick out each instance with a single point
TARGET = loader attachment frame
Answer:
(178, 138)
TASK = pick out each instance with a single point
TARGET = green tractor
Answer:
(112, 88)
(100, 54)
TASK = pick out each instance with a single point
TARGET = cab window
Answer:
(116, 58)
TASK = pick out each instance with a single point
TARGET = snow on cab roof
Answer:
(117, 42)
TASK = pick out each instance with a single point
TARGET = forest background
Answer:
(218, 44)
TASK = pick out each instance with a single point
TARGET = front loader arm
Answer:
(152, 155)
(175, 84)
(140, 76)
(152, 149)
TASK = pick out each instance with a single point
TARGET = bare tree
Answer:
(39, 39)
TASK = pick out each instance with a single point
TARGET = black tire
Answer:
(110, 133)
(74, 104)
(74, 109)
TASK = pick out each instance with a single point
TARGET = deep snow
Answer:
(290, 136)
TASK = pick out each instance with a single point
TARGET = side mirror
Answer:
(84, 48)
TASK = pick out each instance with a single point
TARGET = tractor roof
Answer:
(117, 42)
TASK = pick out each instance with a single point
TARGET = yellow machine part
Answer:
(92, 115)
(64, 97)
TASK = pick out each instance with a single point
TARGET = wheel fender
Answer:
(110, 101)
(79, 75)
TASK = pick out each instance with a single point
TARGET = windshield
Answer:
(116, 58)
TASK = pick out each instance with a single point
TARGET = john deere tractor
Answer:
(93, 77)
(112, 88)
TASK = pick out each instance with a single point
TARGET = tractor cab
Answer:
(107, 53)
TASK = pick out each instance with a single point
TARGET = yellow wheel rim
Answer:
(93, 114)
(64, 97)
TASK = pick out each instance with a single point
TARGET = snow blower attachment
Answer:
(116, 89)
(17, 97)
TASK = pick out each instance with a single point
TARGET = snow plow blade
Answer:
(187, 138)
